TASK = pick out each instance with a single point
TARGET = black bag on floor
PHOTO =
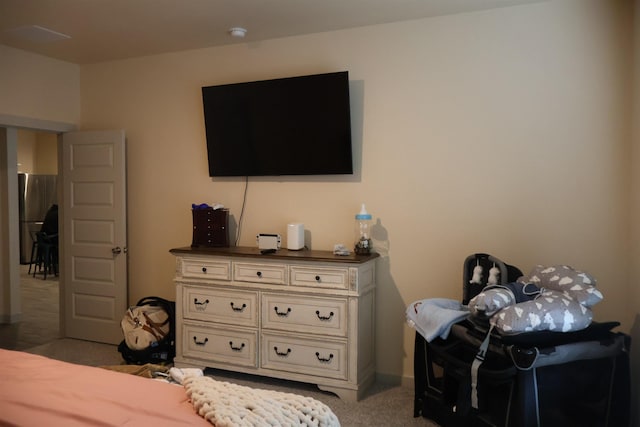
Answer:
(149, 331)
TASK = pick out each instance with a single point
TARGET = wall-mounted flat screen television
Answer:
(288, 126)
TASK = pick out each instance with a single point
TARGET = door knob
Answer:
(116, 250)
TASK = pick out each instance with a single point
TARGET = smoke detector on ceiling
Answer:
(237, 32)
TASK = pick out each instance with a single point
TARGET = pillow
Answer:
(489, 301)
(495, 297)
(576, 284)
(551, 311)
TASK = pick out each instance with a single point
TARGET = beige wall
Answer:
(46, 155)
(26, 150)
(37, 87)
(505, 131)
(37, 152)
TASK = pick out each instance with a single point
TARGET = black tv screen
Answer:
(289, 126)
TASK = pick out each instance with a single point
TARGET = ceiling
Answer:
(104, 30)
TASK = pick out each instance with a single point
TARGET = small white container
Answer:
(295, 236)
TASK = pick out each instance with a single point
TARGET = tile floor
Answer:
(39, 323)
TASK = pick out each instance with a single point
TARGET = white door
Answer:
(94, 235)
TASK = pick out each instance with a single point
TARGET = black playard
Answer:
(536, 366)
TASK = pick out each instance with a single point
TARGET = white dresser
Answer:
(300, 315)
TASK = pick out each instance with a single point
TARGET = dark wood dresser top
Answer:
(284, 254)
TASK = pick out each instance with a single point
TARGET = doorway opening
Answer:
(37, 156)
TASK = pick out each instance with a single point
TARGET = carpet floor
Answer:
(38, 333)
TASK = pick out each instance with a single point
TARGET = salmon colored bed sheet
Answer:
(37, 391)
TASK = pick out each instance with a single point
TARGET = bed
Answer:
(35, 390)
(40, 391)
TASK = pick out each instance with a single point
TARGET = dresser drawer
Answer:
(319, 277)
(305, 314)
(303, 355)
(206, 269)
(260, 273)
(219, 305)
(216, 344)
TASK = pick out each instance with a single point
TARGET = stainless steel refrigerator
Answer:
(36, 193)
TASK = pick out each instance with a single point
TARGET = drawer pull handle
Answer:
(317, 278)
(282, 354)
(204, 269)
(282, 313)
(200, 306)
(236, 348)
(234, 308)
(201, 343)
(324, 317)
(323, 360)
(259, 273)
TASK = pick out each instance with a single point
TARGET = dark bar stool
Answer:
(34, 249)
(46, 259)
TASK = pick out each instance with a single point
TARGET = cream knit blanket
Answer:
(229, 405)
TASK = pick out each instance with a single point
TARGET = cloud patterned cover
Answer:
(563, 304)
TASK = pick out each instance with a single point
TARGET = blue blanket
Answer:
(433, 317)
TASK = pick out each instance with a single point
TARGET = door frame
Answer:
(10, 311)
